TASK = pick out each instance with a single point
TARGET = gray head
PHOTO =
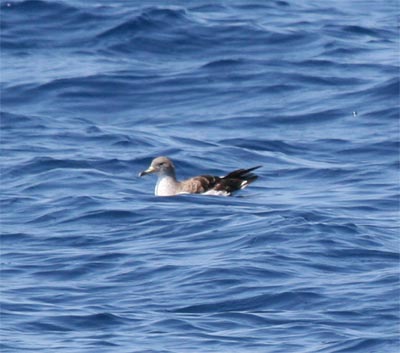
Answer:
(160, 165)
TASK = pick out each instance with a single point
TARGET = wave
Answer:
(40, 7)
(150, 19)
(65, 21)
(357, 30)
(71, 322)
(258, 303)
(224, 63)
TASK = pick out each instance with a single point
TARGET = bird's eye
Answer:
(161, 164)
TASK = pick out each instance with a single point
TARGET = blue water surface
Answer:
(304, 260)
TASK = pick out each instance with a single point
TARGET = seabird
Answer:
(167, 185)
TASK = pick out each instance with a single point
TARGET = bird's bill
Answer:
(147, 171)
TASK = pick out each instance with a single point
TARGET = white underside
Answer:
(168, 186)
(209, 192)
(213, 192)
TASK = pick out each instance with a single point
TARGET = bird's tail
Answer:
(243, 176)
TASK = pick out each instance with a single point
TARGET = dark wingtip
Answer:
(242, 173)
(254, 168)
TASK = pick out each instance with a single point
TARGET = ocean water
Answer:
(304, 260)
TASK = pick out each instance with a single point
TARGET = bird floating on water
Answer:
(167, 185)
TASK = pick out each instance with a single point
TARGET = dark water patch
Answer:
(45, 327)
(54, 171)
(22, 32)
(103, 216)
(49, 217)
(343, 52)
(340, 229)
(367, 254)
(232, 276)
(261, 7)
(329, 173)
(261, 302)
(41, 164)
(263, 145)
(10, 121)
(175, 324)
(333, 142)
(71, 322)
(174, 31)
(39, 6)
(356, 31)
(193, 142)
(361, 344)
(321, 81)
(209, 8)
(389, 89)
(319, 63)
(152, 18)
(240, 319)
(14, 238)
(309, 118)
(382, 148)
(278, 89)
(385, 113)
(224, 63)
(156, 29)
(64, 275)
(111, 257)
(88, 86)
